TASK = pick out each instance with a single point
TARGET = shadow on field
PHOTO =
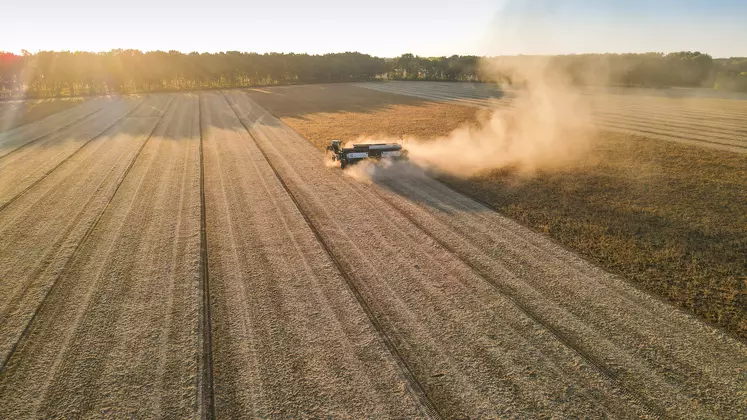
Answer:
(132, 115)
(401, 178)
(667, 217)
(413, 185)
(297, 101)
(21, 112)
(670, 218)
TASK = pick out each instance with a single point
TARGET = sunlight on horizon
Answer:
(386, 28)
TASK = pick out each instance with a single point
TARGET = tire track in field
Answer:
(463, 93)
(67, 158)
(677, 106)
(118, 335)
(688, 111)
(698, 124)
(674, 121)
(645, 131)
(42, 137)
(468, 89)
(593, 361)
(20, 113)
(454, 90)
(717, 140)
(289, 338)
(206, 395)
(432, 96)
(634, 126)
(666, 128)
(435, 95)
(472, 229)
(29, 326)
(456, 97)
(43, 227)
(648, 346)
(662, 354)
(415, 387)
(521, 305)
(443, 319)
(52, 121)
(50, 126)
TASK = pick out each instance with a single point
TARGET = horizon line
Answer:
(21, 53)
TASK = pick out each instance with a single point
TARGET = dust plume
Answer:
(545, 125)
(362, 172)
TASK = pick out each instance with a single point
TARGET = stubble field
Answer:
(190, 255)
(678, 115)
(14, 113)
(669, 217)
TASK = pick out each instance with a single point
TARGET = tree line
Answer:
(63, 73)
(678, 69)
(51, 73)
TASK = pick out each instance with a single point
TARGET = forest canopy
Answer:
(65, 73)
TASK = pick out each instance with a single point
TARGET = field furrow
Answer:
(660, 353)
(117, 335)
(652, 359)
(425, 94)
(733, 114)
(31, 164)
(654, 127)
(729, 145)
(44, 226)
(38, 130)
(713, 109)
(672, 119)
(288, 339)
(190, 255)
(474, 350)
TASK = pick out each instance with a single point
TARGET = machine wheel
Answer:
(330, 156)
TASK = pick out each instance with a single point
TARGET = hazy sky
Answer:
(382, 27)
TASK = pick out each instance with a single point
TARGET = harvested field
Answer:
(15, 113)
(670, 218)
(284, 324)
(708, 122)
(190, 255)
(365, 112)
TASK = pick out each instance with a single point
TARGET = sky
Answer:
(384, 28)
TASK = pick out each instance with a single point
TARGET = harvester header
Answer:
(358, 152)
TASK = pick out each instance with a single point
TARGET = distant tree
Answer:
(51, 73)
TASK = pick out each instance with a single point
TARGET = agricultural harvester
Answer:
(377, 151)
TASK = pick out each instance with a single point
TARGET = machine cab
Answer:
(335, 145)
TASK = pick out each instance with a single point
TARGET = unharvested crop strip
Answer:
(70, 124)
(27, 330)
(206, 395)
(671, 137)
(729, 125)
(569, 342)
(704, 134)
(25, 190)
(414, 385)
(437, 98)
(458, 99)
(680, 109)
(709, 132)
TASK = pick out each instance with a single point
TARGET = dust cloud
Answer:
(545, 125)
(364, 172)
